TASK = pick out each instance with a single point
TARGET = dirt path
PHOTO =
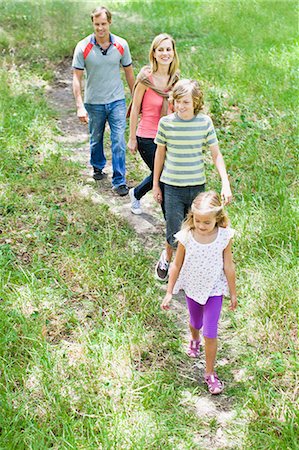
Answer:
(221, 428)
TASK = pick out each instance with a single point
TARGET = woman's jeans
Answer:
(115, 114)
(147, 150)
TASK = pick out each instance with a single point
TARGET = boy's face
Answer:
(184, 107)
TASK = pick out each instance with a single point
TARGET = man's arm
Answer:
(129, 74)
(218, 160)
(77, 90)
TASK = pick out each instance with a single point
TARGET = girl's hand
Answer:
(233, 303)
(132, 145)
(166, 301)
(157, 193)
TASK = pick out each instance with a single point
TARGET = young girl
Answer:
(204, 269)
(150, 97)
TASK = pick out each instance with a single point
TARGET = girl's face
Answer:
(184, 107)
(204, 224)
(164, 53)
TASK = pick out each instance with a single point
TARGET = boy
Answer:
(179, 164)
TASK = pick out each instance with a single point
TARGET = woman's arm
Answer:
(158, 167)
(174, 272)
(218, 160)
(136, 105)
(230, 273)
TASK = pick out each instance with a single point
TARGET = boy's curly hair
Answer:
(185, 87)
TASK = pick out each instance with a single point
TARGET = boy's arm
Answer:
(218, 160)
(158, 167)
(174, 271)
(230, 273)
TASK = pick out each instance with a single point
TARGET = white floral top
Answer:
(202, 275)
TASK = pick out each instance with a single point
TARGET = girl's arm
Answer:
(174, 272)
(158, 167)
(230, 273)
(136, 105)
(226, 193)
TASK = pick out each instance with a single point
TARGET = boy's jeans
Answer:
(178, 201)
(115, 114)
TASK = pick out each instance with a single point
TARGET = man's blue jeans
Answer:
(115, 114)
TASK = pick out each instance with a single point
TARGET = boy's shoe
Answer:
(121, 190)
(162, 266)
(193, 349)
(98, 174)
(215, 386)
(135, 203)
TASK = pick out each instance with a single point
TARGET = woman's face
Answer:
(164, 53)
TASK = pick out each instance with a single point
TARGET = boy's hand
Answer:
(226, 194)
(157, 193)
(166, 301)
(233, 303)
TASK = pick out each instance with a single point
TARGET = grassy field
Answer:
(87, 359)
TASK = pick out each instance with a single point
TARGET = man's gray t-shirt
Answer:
(103, 80)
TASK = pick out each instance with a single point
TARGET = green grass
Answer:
(88, 361)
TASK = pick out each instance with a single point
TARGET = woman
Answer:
(150, 98)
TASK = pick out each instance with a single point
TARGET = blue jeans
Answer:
(115, 113)
(178, 201)
(147, 149)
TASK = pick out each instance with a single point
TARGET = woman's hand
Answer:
(157, 193)
(132, 145)
(166, 301)
(233, 303)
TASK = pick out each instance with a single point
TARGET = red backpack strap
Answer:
(119, 47)
(87, 50)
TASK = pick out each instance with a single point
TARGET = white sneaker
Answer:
(162, 267)
(135, 204)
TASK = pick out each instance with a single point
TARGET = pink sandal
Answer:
(215, 386)
(193, 349)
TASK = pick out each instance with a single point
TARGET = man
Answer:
(100, 55)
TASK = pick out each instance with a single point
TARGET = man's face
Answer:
(101, 26)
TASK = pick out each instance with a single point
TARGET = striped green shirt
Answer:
(185, 141)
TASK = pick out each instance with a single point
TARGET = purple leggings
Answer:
(205, 315)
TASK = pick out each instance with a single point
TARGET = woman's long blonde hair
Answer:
(206, 203)
(173, 68)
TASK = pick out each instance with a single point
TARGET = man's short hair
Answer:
(100, 10)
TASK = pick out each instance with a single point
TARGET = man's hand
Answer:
(82, 114)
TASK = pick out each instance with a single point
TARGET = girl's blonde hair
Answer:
(185, 87)
(173, 68)
(206, 203)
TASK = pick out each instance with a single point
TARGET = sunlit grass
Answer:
(87, 358)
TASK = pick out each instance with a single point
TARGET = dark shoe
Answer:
(161, 270)
(121, 190)
(98, 174)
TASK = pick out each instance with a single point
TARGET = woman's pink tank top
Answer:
(150, 114)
